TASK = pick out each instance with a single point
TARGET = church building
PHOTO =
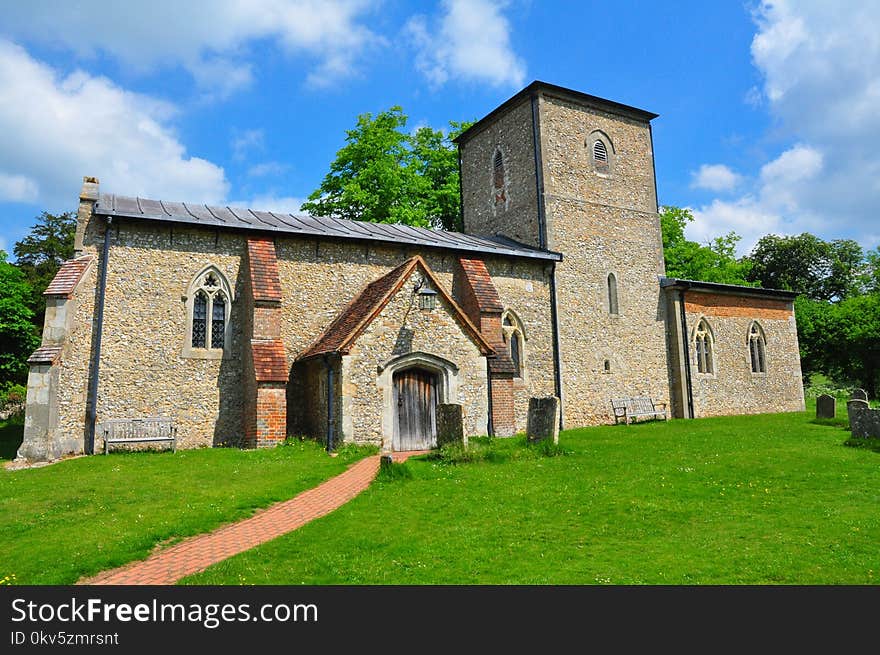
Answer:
(245, 327)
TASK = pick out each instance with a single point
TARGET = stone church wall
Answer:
(732, 388)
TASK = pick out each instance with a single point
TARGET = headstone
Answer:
(543, 420)
(859, 394)
(449, 425)
(863, 421)
(826, 406)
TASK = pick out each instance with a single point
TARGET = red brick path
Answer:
(198, 553)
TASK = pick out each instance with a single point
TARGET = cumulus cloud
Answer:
(82, 125)
(470, 41)
(821, 82)
(210, 38)
(267, 169)
(714, 177)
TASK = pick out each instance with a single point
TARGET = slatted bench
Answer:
(151, 429)
(630, 408)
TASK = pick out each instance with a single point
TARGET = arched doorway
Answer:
(415, 402)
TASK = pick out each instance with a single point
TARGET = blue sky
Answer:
(769, 112)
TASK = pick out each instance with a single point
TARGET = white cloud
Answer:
(17, 188)
(715, 177)
(267, 169)
(271, 203)
(83, 125)
(821, 82)
(471, 41)
(210, 38)
(246, 142)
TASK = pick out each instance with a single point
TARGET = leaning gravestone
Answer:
(449, 425)
(543, 421)
(864, 422)
(859, 394)
(826, 406)
(854, 410)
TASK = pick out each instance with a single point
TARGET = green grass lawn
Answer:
(80, 516)
(771, 499)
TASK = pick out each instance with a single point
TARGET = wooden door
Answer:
(415, 396)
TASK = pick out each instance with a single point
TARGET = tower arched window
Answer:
(612, 294)
(499, 178)
(703, 347)
(209, 304)
(757, 343)
(600, 152)
(514, 337)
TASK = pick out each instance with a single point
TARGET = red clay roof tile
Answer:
(68, 276)
(263, 264)
(270, 360)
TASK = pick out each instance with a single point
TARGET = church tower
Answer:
(561, 170)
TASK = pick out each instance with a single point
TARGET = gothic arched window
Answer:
(512, 331)
(757, 343)
(209, 303)
(703, 347)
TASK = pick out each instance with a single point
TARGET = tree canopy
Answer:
(822, 270)
(713, 262)
(387, 175)
(18, 335)
(40, 254)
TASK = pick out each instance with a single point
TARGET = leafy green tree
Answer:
(40, 254)
(386, 175)
(713, 262)
(18, 334)
(841, 339)
(822, 270)
(871, 275)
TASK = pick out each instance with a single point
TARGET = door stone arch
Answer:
(447, 384)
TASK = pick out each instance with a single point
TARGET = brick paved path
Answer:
(198, 553)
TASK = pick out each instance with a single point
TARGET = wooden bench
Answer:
(629, 409)
(151, 429)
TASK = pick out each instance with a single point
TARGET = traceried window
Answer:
(512, 331)
(498, 178)
(209, 305)
(757, 343)
(703, 347)
(612, 294)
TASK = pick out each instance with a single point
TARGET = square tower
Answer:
(562, 170)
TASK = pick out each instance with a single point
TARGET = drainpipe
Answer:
(329, 403)
(687, 356)
(96, 360)
(491, 425)
(539, 174)
(557, 359)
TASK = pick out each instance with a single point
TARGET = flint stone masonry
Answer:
(450, 429)
(543, 419)
(288, 287)
(863, 421)
(859, 394)
(732, 387)
(826, 406)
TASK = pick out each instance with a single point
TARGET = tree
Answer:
(822, 270)
(18, 334)
(841, 339)
(386, 175)
(40, 254)
(713, 262)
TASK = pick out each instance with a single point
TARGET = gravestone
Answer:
(826, 406)
(859, 394)
(449, 425)
(543, 421)
(864, 422)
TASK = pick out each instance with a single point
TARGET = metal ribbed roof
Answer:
(313, 226)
